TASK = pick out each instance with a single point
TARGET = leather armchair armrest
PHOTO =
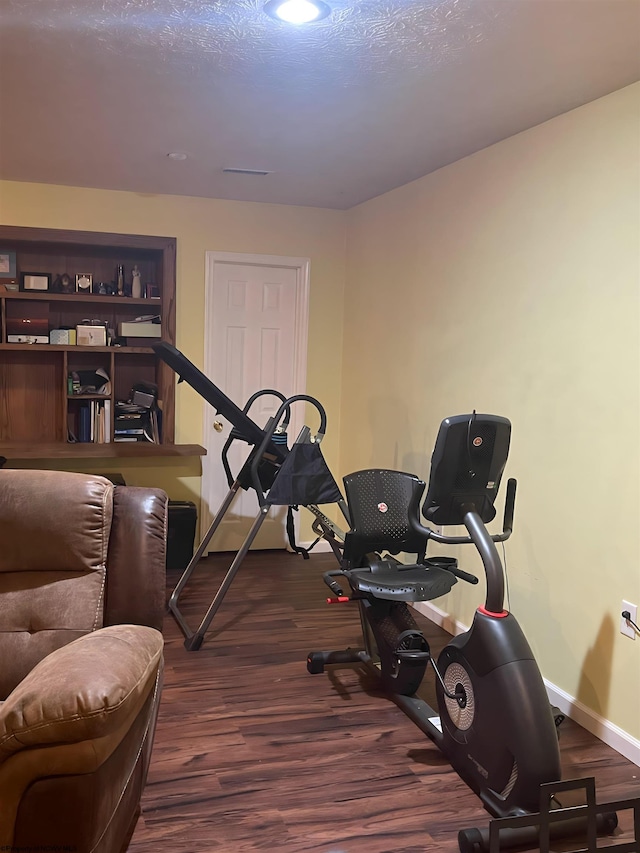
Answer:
(136, 560)
(82, 691)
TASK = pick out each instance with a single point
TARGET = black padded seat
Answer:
(393, 582)
(378, 499)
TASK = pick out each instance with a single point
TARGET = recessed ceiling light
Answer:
(177, 155)
(297, 11)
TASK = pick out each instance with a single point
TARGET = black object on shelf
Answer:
(181, 534)
(116, 479)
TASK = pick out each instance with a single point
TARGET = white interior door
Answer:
(255, 339)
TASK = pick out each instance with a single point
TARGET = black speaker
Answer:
(181, 533)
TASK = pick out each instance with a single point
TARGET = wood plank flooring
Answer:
(252, 753)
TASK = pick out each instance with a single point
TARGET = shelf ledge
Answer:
(14, 451)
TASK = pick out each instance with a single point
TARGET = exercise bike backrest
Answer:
(467, 464)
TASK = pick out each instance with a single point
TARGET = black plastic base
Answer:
(316, 661)
(476, 840)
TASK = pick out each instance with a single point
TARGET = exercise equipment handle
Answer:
(271, 428)
(429, 533)
(465, 576)
(417, 488)
(307, 399)
(333, 586)
(509, 506)
(490, 559)
(236, 434)
(478, 535)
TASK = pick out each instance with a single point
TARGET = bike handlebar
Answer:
(429, 533)
(478, 535)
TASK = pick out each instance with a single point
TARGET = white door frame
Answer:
(301, 335)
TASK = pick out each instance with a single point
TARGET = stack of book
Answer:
(135, 423)
(94, 421)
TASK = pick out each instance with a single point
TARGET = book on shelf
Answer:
(91, 423)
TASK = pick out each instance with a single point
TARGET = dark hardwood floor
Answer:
(253, 753)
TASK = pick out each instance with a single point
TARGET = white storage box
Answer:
(91, 336)
(62, 337)
(27, 339)
(140, 330)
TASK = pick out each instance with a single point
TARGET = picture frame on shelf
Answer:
(34, 282)
(91, 335)
(8, 264)
(84, 282)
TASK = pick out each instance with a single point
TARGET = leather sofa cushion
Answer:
(83, 691)
(42, 611)
(54, 521)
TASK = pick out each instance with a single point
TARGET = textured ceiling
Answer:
(378, 94)
(364, 37)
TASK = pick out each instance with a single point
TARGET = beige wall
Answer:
(202, 225)
(509, 282)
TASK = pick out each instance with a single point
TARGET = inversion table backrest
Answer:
(187, 371)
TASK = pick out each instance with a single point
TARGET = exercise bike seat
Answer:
(378, 501)
(396, 582)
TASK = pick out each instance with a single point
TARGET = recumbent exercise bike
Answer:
(494, 722)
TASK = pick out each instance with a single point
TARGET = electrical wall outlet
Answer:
(625, 627)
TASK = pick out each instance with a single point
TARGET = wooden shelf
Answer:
(15, 451)
(37, 412)
(52, 296)
(74, 348)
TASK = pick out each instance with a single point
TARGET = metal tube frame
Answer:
(193, 639)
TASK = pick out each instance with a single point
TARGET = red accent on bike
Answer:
(493, 615)
(339, 600)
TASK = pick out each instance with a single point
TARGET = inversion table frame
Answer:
(259, 472)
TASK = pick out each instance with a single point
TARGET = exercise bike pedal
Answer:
(412, 648)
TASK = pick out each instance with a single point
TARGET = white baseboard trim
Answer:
(440, 618)
(603, 729)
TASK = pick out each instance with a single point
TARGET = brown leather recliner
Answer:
(82, 585)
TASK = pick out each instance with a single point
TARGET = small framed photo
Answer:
(7, 264)
(91, 336)
(84, 282)
(35, 281)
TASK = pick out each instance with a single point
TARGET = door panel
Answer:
(253, 312)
